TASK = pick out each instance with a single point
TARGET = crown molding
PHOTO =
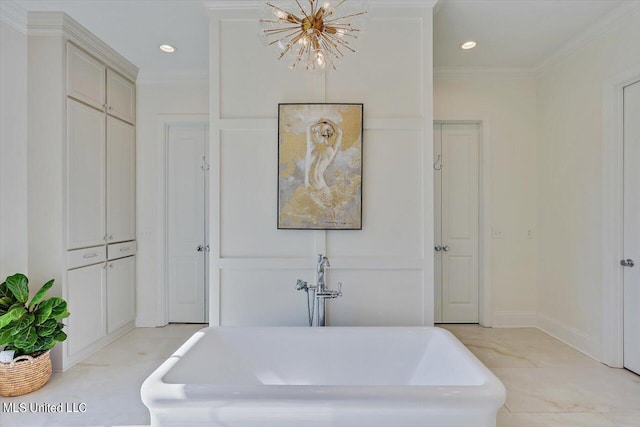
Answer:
(14, 15)
(483, 74)
(604, 26)
(149, 77)
(62, 25)
(253, 4)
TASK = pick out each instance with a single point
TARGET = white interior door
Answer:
(437, 235)
(457, 215)
(187, 247)
(631, 227)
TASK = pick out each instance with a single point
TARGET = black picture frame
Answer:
(320, 166)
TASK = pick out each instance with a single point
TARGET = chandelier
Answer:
(314, 37)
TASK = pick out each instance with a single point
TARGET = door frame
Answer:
(611, 337)
(485, 317)
(164, 122)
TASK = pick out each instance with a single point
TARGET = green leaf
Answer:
(43, 312)
(41, 293)
(13, 314)
(5, 336)
(58, 308)
(41, 344)
(60, 336)
(6, 302)
(4, 290)
(47, 328)
(18, 284)
(26, 340)
(23, 323)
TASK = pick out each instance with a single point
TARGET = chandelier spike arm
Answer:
(302, 10)
(339, 4)
(340, 41)
(353, 15)
(284, 15)
(335, 52)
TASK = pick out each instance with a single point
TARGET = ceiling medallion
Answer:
(314, 37)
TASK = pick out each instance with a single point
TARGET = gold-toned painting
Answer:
(320, 166)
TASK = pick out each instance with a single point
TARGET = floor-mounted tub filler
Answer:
(323, 377)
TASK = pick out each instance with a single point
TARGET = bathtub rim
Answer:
(158, 394)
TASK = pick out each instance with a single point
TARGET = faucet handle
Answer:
(339, 289)
(301, 284)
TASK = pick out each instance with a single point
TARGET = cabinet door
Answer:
(121, 97)
(85, 297)
(121, 293)
(86, 225)
(85, 77)
(121, 181)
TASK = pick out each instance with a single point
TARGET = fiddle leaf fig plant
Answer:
(30, 327)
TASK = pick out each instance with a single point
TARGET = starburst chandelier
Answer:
(314, 37)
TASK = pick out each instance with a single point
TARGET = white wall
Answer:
(13, 149)
(387, 267)
(156, 102)
(570, 106)
(507, 106)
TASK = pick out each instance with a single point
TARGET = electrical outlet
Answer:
(497, 234)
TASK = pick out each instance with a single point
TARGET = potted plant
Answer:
(30, 329)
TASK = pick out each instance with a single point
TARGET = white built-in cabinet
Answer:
(82, 181)
(120, 179)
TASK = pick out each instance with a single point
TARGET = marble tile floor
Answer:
(108, 383)
(549, 384)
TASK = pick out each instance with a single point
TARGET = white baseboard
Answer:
(571, 336)
(514, 319)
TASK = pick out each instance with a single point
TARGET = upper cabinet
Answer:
(100, 153)
(93, 83)
(86, 78)
(121, 97)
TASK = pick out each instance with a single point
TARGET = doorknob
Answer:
(438, 248)
(627, 263)
(446, 248)
(200, 248)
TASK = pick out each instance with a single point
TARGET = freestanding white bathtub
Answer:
(321, 377)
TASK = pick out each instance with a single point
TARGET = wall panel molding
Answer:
(252, 263)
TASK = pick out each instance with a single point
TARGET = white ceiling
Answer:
(510, 33)
(135, 28)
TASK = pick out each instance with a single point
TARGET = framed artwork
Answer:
(320, 166)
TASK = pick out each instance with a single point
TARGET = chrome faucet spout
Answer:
(323, 263)
(318, 294)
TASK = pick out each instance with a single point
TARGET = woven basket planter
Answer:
(24, 374)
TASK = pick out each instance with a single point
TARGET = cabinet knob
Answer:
(446, 248)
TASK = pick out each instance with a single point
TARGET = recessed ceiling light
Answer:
(167, 48)
(468, 45)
